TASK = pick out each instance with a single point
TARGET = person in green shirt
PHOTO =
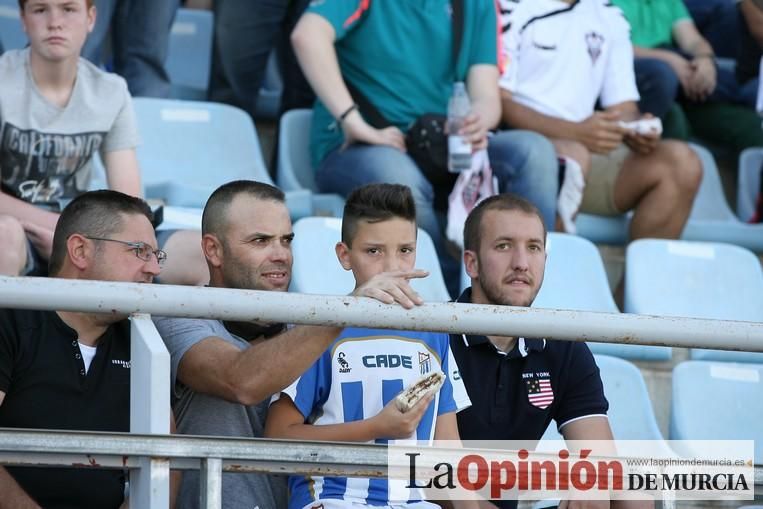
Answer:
(674, 63)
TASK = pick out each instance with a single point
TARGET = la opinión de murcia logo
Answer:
(514, 474)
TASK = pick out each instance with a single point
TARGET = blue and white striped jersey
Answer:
(361, 372)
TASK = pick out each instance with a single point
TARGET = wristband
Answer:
(346, 112)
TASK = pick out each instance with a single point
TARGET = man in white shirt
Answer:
(563, 56)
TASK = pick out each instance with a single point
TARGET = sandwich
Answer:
(414, 393)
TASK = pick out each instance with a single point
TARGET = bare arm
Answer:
(599, 133)
(482, 83)
(313, 41)
(286, 421)
(26, 212)
(519, 116)
(597, 427)
(704, 74)
(123, 172)
(753, 16)
(13, 496)
(218, 368)
(248, 376)
(690, 40)
(446, 427)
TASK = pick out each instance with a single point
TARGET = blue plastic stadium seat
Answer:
(631, 414)
(190, 148)
(316, 269)
(575, 278)
(189, 55)
(602, 229)
(696, 280)
(12, 35)
(295, 170)
(718, 401)
(711, 218)
(748, 184)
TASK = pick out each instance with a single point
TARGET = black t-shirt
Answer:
(515, 395)
(43, 376)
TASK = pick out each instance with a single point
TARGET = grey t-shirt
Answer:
(46, 152)
(199, 414)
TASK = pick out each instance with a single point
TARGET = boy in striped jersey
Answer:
(348, 393)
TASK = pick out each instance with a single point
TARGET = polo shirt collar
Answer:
(522, 347)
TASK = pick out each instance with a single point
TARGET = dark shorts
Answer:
(35, 266)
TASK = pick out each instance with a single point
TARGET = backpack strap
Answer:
(457, 22)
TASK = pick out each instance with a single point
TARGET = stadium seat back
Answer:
(718, 401)
(748, 184)
(710, 202)
(317, 270)
(712, 220)
(696, 280)
(631, 414)
(189, 57)
(575, 278)
(12, 34)
(295, 171)
(190, 148)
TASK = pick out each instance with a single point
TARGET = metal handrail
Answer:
(185, 452)
(244, 305)
(152, 455)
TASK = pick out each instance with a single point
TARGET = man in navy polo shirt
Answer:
(71, 371)
(518, 385)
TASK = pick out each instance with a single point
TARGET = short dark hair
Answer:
(374, 203)
(506, 202)
(22, 3)
(214, 217)
(93, 214)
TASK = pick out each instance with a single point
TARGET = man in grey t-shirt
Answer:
(222, 372)
(56, 112)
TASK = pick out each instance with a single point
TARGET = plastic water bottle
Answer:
(459, 149)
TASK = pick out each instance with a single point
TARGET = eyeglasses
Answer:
(141, 249)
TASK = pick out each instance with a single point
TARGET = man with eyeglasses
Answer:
(71, 371)
(57, 111)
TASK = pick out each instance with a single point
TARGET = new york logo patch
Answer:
(539, 392)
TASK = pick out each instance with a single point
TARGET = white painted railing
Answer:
(150, 458)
